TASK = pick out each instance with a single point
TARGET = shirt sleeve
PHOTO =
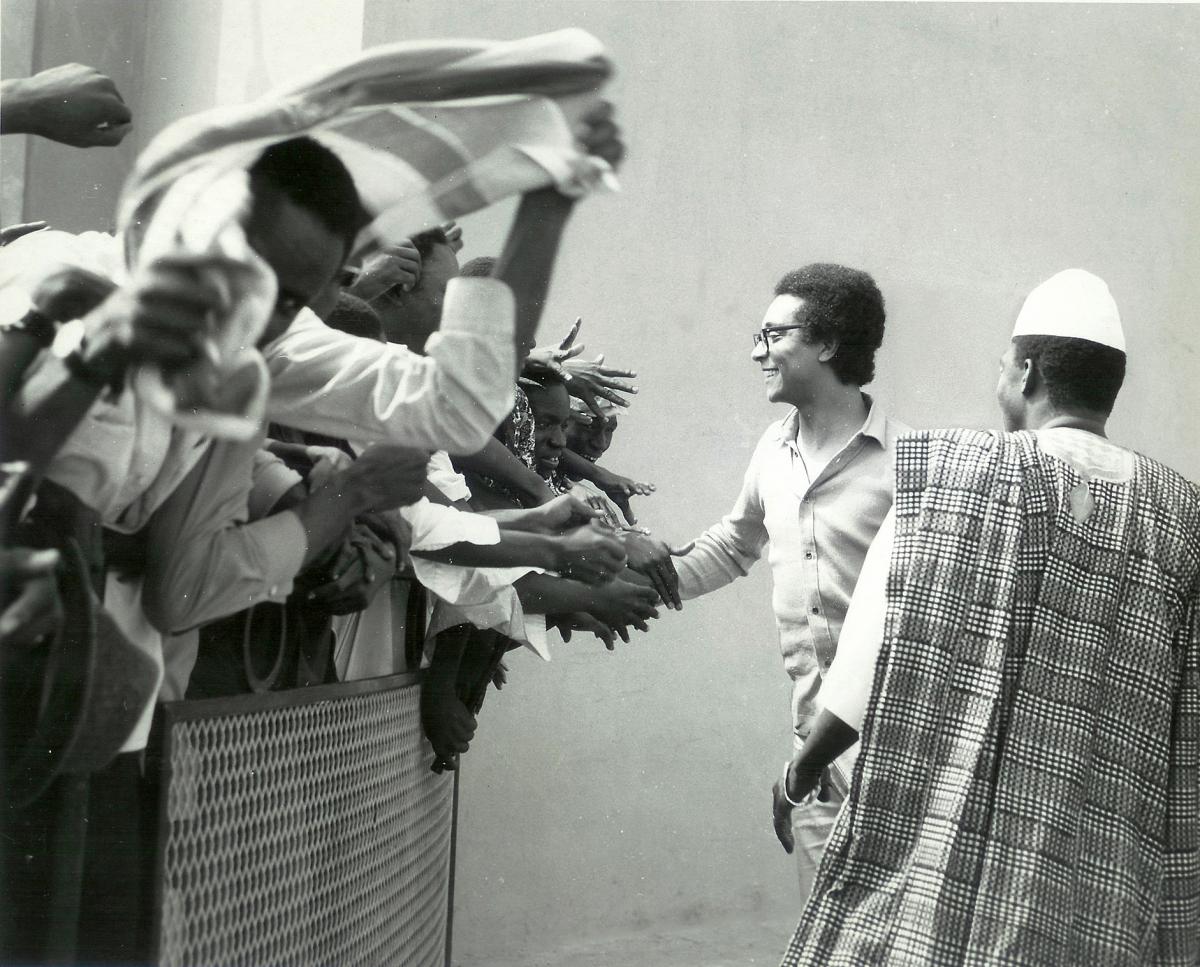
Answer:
(846, 687)
(451, 399)
(203, 559)
(728, 549)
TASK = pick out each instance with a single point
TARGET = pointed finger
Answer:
(570, 336)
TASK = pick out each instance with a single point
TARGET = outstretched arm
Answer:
(726, 550)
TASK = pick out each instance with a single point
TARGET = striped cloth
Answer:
(1028, 788)
(430, 130)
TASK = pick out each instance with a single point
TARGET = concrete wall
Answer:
(168, 58)
(960, 153)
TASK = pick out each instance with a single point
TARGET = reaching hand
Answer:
(588, 554)
(386, 476)
(326, 461)
(587, 380)
(550, 359)
(653, 559)
(164, 316)
(396, 265)
(580, 621)
(36, 612)
(69, 292)
(363, 565)
(564, 511)
(620, 489)
(11, 233)
(599, 135)
(454, 237)
(620, 603)
(72, 104)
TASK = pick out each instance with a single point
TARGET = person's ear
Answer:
(828, 351)
(1029, 378)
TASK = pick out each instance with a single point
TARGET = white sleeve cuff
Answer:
(284, 543)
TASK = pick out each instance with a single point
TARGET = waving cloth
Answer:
(428, 130)
(1027, 786)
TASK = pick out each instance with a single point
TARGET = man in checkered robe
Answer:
(1027, 789)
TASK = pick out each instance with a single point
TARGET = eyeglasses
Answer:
(765, 334)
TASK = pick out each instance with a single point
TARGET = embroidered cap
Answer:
(1073, 303)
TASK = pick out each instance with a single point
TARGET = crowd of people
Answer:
(993, 638)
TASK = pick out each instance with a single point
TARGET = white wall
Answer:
(960, 153)
(169, 58)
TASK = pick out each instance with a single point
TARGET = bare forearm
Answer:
(43, 413)
(543, 594)
(16, 114)
(325, 516)
(496, 461)
(527, 261)
(578, 468)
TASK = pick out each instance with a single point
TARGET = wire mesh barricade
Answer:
(304, 827)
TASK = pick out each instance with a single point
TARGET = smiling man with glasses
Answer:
(818, 487)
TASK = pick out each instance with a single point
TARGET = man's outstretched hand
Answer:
(652, 558)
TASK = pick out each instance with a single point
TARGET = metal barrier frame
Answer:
(171, 713)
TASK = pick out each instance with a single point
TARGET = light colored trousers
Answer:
(811, 827)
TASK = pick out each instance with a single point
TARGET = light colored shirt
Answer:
(818, 532)
(211, 551)
(452, 398)
(204, 562)
(124, 459)
(848, 683)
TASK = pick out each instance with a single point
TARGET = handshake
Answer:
(607, 582)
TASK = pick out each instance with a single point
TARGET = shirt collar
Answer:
(874, 426)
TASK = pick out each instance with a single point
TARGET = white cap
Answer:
(1075, 304)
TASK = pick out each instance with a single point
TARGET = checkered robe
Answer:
(1028, 788)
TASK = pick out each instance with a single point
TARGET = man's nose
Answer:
(759, 352)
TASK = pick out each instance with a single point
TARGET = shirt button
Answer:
(816, 610)
(808, 555)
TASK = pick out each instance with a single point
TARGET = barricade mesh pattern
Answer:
(310, 835)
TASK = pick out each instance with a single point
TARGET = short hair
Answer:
(426, 240)
(355, 316)
(480, 267)
(844, 306)
(539, 381)
(1079, 373)
(308, 174)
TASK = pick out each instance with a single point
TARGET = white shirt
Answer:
(124, 459)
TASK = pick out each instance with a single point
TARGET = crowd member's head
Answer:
(551, 407)
(480, 267)
(820, 332)
(1067, 355)
(303, 222)
(411, 317)
(589, 435)
(355, 316)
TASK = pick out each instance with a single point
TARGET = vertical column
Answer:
(169, 58)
